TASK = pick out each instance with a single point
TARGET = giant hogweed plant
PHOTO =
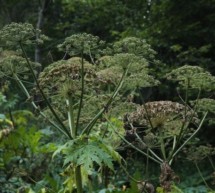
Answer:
(78, 93)
(172, 126)
(197, 80)
(81, 95)
(166, 125)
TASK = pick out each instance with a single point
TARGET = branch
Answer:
(41, 91)
(88, 128)
(82, 93)
(71, 116)
(37, 108)
(137, 149)
(199, 127)
(150, 150)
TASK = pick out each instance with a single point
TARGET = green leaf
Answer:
(60, 148)
(88, 154)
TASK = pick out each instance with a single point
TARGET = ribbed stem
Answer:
(137, 149)
(196, 131)
(163, 150)
(78, 179)
(82, 93)
(71, 116)
(42, 93)
(90, 125)
(22, 86)
(173, 149)
(148, 148)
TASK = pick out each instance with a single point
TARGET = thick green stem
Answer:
(41, 91)
(146, 110)
(137, 149)
(90, 125)
(185, 113)
(78, 179)
(82, 93)
(194, 133)
(163, 150)
(22, 86)
(184, 127)
(78, 176)
(148, 148)
(173, 149)
(71, 117)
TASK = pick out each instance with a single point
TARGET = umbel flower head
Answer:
(137, 67)
(14, 64)
(24, 33)
(166, 116)
(138, 72)
(59, 75)
(199, 153)
(81, 43)
(135, 46)
(193, 77)
(205, 104)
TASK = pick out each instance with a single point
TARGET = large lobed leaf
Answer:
(87, 152)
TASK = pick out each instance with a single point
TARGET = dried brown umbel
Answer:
(167, 177)
(145, 187)
(56, 76)
(156, 108)
(70, 68)
(162, 114)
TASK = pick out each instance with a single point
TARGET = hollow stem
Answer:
(90, 125)
(82, 93)
(173, 149)
(23, 88)
(41, 91)
(137, 149)
(194, 133)
(147, 113)
(78, 178)
(78, 175)
(149, 149)
(185, 113)
(71, 116)
(185, 126)
(163, 150)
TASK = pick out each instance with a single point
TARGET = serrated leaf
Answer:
(87, 155)
(115, 155)
(86, 152)
(60, 148)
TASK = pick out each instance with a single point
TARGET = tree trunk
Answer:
(41, 9)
